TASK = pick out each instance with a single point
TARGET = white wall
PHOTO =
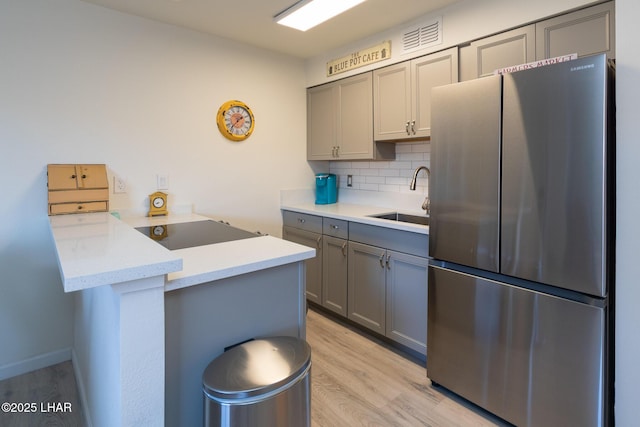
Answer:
(628, 209)
(83, 84)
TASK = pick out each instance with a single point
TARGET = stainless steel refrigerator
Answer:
(520, 286)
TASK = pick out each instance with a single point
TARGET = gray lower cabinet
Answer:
(367, 286)
(334, 274)
(388, 293)
(313, 265)
(307, 230)
(374, 276)
(406, 320)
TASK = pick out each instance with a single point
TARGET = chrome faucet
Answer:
(426, 205)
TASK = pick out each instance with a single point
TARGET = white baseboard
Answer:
(82, 392)
(34, 363)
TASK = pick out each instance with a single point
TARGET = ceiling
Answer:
(251, 21)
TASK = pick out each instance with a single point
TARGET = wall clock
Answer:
(158, 204)
(235, 120)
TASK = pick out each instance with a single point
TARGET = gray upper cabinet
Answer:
(340, 121)
(482, 57)
(402, 95)
(321, 122)
(585, 32)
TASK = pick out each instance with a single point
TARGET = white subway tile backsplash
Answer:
(387, 176)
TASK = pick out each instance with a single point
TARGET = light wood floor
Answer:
(46, 388)
(356, 381)
(359, 381)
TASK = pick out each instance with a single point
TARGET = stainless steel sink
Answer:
(397, 216)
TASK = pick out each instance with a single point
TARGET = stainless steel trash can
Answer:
(264, 382)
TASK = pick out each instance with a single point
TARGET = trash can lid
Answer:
(256, 367)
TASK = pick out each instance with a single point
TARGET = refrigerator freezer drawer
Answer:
(530, 358)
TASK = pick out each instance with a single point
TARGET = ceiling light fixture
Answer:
(307, 14)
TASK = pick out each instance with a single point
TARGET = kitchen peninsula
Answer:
(148, 320)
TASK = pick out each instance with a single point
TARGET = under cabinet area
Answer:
(374, 276)
(402, 94)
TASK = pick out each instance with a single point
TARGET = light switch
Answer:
(163, 181)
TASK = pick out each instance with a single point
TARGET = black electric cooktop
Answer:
(197, 233)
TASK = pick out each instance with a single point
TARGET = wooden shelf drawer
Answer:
(72, 208)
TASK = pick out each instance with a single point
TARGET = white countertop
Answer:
(359, 213)
(98, 249)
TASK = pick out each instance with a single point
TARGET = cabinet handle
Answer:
(413, 126)
(301, 220)
(381, 260)
(344, 246)
(84, 176)
(406, 128)
(335, 227)
(73, 177)
(337, 151)
(318, 242)
(388, 263)
(79, 206)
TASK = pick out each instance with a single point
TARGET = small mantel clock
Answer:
(158, 204)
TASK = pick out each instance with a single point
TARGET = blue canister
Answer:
(326, 188)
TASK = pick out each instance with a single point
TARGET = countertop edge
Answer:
(358, 213)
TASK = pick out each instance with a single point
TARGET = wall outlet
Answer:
(119, 184)
(163, 181)
(349, 180)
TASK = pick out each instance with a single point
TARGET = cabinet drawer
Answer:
(68, 208)
(303, 221)
(78, 196)
(335, 227)
(397, 240)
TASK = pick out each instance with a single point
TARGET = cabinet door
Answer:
(334, 274)
(62, 177)
(92, 176)
(367, 290)
(392, 102)
(355, 117)
(482, 57)
(313, 265)
(406, 320)
(321, 122)
(426, 73)
(585, 32)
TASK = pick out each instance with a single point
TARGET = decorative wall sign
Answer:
(360, 58)
(535, 64)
